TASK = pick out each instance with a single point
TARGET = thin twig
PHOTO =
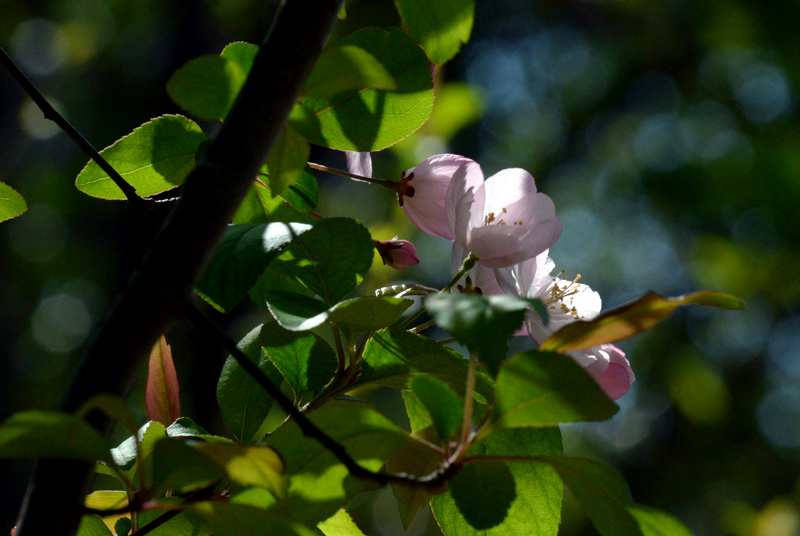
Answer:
(337, 336)
(430, 481)
(389, 185)
(50, 113)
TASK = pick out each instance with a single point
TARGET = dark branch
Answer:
(158, 293)
(50, 113)
(309, 429)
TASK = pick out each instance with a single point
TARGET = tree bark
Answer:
(158, 292)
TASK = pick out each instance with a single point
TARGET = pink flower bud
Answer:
(396, 253)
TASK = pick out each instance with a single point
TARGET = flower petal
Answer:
(510, 187)
(359, 163)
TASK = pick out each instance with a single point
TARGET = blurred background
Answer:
(666, 131)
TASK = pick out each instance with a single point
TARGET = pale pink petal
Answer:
(467, 179)
(396, 253)
(359, 163)
(508, 188)
(617, 376)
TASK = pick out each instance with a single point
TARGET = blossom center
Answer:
(492, 219)
(560, 296)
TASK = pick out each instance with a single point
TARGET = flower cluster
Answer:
(507, 226)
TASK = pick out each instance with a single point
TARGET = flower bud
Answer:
(396, 253)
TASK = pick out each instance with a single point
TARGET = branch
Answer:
(159, 291)
(52, 114)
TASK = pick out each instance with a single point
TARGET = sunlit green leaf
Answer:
(243, 403)
(125, 454)
(340, 524)
(628, 320)
(154, 158)
(306, 361)
(241, 257)
(249, 465)
(12, 204)
(296, 312)
(287, 160)
(418, 416)
(445, 407)
(345, 67)
(545, 389)
(439, 26)
(244, 54)
(372, 119)
(30, 435)
(207, 86)
(536, 509)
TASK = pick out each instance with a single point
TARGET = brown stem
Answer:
(159, 291)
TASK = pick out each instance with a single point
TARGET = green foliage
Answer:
(178, 466)
(241, 257)
(483, 493)
(243, 403)
(125, 454)
(248, 465)
(483, 324)
(230, 519)
(340, 524)
(535, 510)
(154, 158)
(320, 484)
(243, 54)
(439, 26)
(372, 119)
(30, 435)
(261, 205)
(123, 526)
(444, 406)
(344, 68)
(545, 389)
(287, 160)
(393, 358)
(12, 204)
(207, 86)
(628, 320)
(305, 360)
(91, 525)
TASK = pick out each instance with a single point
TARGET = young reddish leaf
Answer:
(630, 319)
(162, 396)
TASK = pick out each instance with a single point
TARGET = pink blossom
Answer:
(426, 186)
(610, 369)
(503, 220)
(359, 163)
(396, 253)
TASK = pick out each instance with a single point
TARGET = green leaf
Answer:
(207, 86)
(439, 26)
(125, 453)
(305, 360)
(245, 404)
(287, 160)
(628, 320)
(261, 206)
(545, 389)
(394, 358)
(154, 158)
(186, 523)
(340, 524)
(303, 194)
(91, 525)
(296, 312)
(414, 458)
(244, 54)
(536, 509)
(369, 312)
(186, 427)
(320, 484)
(483, 493)
(654, 522)
(29, 435)
(240, 259)
(483, 324)
(249, 465)
(178, 466)
(123, 526)
(229, 519)
(372, 119)
(445, 407)
(346, 67)
(330, 259)
(418, 416)
(12, 204)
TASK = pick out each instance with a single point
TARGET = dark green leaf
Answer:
(369, 312)
(439, 26)
(185, 427)
(393, 358)
(207, 86)
(241, 258)
(301, 312)
(545, 389)
(345, 67)
(287, 160)
(229, 519)
(483, 493)
(244, 54)
(321, 485)
(12, 204)
(330, 259)
(483, 324)
(178, 466)
(305, 359)
(91, 525)
(51, 434)
(186, 523)
(154, 158)
(296, 312)
(261, 206)
(628, 320)
(536, 509)
(123, 526)
(125, 453)
(445, 407)
(244, 404)
(303, 194)
(372, 119)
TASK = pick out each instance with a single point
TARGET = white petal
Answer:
(359, 163)
(508, 187)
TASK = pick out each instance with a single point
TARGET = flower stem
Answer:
(390, 185)
(466, 426)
